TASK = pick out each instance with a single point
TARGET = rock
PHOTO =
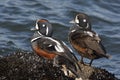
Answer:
(29, 66)
(93, 73)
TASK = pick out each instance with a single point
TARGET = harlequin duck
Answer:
(51, 48)
(84, 40)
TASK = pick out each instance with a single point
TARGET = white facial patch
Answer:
(76, 20)
(36, 26)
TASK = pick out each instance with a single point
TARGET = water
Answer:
(18, 16)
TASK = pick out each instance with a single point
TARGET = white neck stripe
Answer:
(35, 38)
(87, 25)
(47, 31)
(76, 20)
(39, 33)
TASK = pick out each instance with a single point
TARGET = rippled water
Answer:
(18, 16)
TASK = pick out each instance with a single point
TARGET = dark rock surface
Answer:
(93, 73)
(29, 66)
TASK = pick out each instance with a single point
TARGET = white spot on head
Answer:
(43, 25)
(84, 20)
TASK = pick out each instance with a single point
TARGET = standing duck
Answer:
(44, 45)
(84, 40)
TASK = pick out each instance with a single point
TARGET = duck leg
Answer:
(91, 62)
(81, 61)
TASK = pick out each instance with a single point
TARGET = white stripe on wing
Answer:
(58, 46)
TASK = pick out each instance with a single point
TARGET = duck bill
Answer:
(72, 21)
(33, 29)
